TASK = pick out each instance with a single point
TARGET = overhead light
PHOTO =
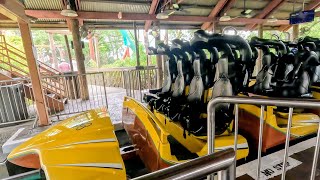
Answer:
(162, 15)
(69, 12)
(272, 20)
(225, 17)
(120, 15)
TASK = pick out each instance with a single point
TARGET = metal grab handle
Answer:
(282, 102)
(196, 168)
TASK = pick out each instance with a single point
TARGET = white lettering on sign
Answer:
(273, 169)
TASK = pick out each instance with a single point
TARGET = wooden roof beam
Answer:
(273, 5)
(3, 17)
(14, 10)
(311, 6)
(85, 15)
(152, 10)
(215, 11)
(227, 7)
(50, 14)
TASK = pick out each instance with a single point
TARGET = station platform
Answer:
(298, 165)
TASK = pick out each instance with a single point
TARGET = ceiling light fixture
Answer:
(120, 15)
(225, 17)
(162, 15)
(69, 12)
(272, 20)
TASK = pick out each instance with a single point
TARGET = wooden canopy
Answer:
(194, 14)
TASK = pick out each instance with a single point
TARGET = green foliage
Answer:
(311, 29)
(111, 48)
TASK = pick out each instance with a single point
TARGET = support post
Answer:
(259, 64)
(53, 50)
(146, 45)
(136, 43)
(91, 49)
(295, 32)
(96, 49)
(34, 74)
(159, 59)
(79, 58)
(69, 52)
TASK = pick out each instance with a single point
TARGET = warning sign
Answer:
(273, 169)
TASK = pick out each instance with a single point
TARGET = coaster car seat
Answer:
(182, 80)
(263, 78)
(223, 87)
(242, 66)
(169, 75)
(192, 105)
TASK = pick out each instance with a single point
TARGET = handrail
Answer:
(53, 86)
(197, 168)
(48, 67)
(16, 54)
(282, 102)
(4, 41)
(14, 67)
(13, 59)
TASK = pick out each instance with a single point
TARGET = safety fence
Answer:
(82, 92)
(262, 102)
(134, 80)
(71, 93)
(117, 77)
(15, 105)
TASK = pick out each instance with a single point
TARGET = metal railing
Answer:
(77, 96)
(197, 168)
(17, 99)
(135, 80)
(291, 103)
(15, 103)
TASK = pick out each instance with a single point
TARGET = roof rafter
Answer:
(227, 7)
(87, 15)
(51, 14)
(14, 10)
(273, 5)
(215, 11)
(311, 6)
(152, 10)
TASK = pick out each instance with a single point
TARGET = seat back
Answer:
(167, 78)
(179, 84)
(222, 87)
(196, 85)
(264, 76)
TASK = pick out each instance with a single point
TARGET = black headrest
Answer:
(178, 50)
(259, 41)
(163, 48)
(201, 34)
(310, 58)
(255, 52)
(239, 42)
(152, 51)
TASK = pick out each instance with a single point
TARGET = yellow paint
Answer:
(64, 145)
(159, 125)
(186, 90)
(198, 144)
(316, 94)
(252, 82)
(279, 121)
